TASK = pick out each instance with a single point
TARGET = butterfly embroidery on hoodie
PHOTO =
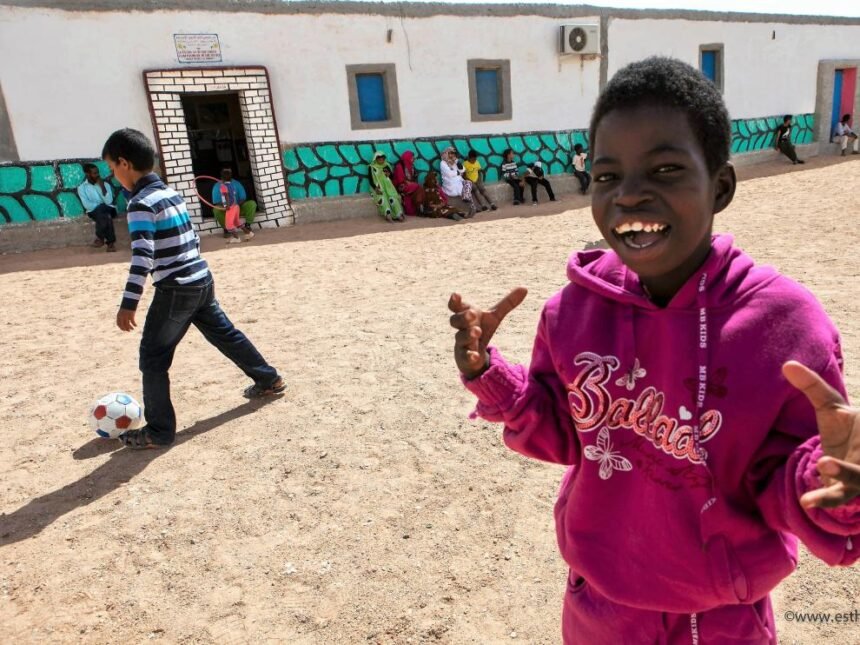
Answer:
(628, 380)
(602, 452)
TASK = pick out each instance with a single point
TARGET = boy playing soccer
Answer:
(164, 244)
(669, 376)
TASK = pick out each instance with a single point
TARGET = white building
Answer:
(295, 96)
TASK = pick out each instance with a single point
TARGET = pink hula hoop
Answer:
(199, 196)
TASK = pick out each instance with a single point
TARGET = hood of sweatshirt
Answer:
(731, 274)
(682, 419)
(726, 279)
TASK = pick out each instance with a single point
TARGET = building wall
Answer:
(86, 80)
(42, 191)
(770, 68)
(66, 99)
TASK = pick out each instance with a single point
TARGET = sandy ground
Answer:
(363, 507)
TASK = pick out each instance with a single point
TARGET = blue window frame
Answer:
(489, 89)
(709, 65)
(372, 102)
(487, 84)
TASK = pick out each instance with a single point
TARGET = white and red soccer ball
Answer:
(115, 413)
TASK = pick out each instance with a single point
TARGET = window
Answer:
(371, 97)
(490, 90)
(373, 101)
(487, 88)
(711, 63)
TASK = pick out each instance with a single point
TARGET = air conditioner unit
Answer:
(580, 39)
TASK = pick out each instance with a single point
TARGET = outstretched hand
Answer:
(475, 329)
(839, 429)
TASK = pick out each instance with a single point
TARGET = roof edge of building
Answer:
(419, 10)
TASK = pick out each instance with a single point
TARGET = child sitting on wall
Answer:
(534, 176)
(579, 170)
(474, 173)
(511, 175)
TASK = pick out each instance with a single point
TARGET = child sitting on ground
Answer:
(579, 171)
(669, 376)
(435, 201)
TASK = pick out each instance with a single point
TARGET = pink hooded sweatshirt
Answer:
(656, 511)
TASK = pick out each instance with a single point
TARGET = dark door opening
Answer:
(217, 137)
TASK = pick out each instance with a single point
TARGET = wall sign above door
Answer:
(197, 48)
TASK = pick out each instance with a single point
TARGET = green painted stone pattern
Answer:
(42, 191)
(750, 135)
(334, 169)
(46, 190)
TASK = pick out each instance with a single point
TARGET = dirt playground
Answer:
(364, 506)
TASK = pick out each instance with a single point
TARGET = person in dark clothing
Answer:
(165, 245)
(96, 196)
(511, 175)
(783, 140)
(535, 176)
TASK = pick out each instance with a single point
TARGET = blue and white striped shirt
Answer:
(163, 241)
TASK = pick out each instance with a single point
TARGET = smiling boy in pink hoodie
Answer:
(664, 376)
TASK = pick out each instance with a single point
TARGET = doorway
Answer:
(217, 139)
(844, 88)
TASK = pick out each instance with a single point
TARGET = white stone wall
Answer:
(770, 68)
(85, 79)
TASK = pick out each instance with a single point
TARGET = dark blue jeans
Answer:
(584, 180)
(172, 311)
(103, 215)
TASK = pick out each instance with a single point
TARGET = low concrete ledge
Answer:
(763, 156)
(326, 209)
(21, 238)
(53, 234)
(75, 231)
(834, 149)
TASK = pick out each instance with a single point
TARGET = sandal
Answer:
(257, 391)
(140, 440)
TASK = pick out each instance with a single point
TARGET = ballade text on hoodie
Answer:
(688, 450)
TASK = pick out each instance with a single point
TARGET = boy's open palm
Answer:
(839, 428)
(475, 329)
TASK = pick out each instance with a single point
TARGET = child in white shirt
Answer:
(844, 134)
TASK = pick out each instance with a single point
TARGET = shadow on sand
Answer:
(29, 520)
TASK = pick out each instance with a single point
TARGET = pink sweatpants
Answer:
(591, 619)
